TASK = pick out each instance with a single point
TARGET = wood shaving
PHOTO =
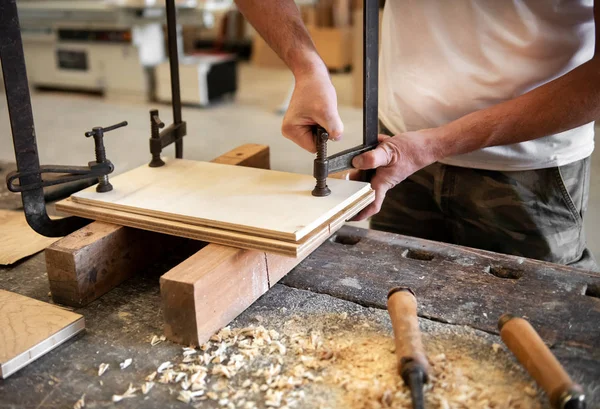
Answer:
(80, 404)
(102, 368)
(146, 387)
(164, 366)
(157, 340)
(126, 363)
(354, 368)
(129, 393)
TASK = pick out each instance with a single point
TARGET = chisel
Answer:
(525, 343)
(412, 362)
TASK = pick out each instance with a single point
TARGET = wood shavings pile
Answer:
(319, 364)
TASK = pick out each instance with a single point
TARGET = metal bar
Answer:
(370, 71)
(174, 66)
(21, 122)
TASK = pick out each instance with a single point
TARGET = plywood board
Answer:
(215, 235)
(264, 203)
(17, 239)
(30, 328)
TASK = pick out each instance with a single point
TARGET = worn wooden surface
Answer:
(458, 285)
(88, 263)
(121, 324)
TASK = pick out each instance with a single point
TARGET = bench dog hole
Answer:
(504, 272)
(593, 290)
(346, 240)
(417, 255)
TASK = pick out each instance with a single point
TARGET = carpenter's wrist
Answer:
(307, 65)
(435, 145)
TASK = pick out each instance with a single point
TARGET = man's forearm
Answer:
(565, 103)
(280, 24)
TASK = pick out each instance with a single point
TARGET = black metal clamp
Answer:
(324, 165)
(99, 168)
(173, 133)
(28, 178)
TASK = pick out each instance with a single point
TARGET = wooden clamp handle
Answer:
(402, 306)
(525, 343)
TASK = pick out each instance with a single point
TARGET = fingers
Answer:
(381, 185)
(383, 155)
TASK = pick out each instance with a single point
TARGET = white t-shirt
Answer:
(443, 59)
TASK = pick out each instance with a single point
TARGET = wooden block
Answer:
(88, 263)
(30, 328)
(209, 289)
(256, 202)
(249, 155)
(93, 260)
(18, 239)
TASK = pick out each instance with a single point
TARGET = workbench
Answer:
(460, 290)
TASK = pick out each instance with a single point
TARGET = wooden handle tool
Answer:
(525, 343)
(412, 362)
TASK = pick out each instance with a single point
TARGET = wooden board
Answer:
(215, 235)
(264, 203)
(93, 260)
(30, 328)
(17, 239)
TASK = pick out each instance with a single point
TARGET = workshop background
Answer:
(94, 65)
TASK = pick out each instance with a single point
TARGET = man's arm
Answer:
(314, 101)
(562, 104)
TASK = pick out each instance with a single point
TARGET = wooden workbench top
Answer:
(461, 292)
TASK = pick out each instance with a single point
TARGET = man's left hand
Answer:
(396, 158)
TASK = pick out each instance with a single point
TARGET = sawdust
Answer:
(335, 360)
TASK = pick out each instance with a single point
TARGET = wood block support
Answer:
(208, 290)
(93, 260)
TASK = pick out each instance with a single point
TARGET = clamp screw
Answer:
(98, 134)
(155, 125)
(321, 168)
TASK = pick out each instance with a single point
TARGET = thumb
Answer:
(332, 124)
(382, 155)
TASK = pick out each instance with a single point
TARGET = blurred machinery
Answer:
(106, 46)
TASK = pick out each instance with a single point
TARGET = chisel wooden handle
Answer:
(402, 306)
(525, 343)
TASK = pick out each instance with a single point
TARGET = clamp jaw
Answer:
(341, 161)
(99, 168)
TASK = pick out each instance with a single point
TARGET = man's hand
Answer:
(396, 158)
(314, 102)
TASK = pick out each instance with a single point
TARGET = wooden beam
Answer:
(208, 290)
(93, 260)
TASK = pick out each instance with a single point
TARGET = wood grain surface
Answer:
(17, 239)
(264, 203)
(30, 328)
(216, 235)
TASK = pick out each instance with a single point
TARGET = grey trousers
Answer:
(535, 213)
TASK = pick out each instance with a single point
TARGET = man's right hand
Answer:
(314, 102)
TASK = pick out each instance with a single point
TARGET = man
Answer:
(487, 111)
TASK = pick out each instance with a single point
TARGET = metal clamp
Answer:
(341, 161)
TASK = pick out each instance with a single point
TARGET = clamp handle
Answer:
(99, 131)
(98, 134)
